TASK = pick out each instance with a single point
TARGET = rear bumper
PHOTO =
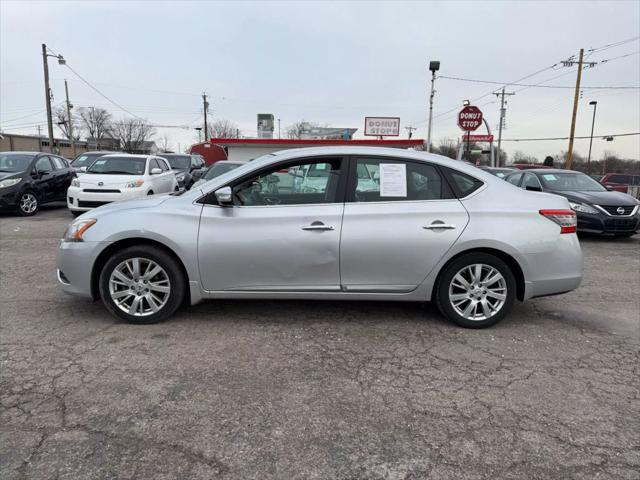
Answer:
(555, 271)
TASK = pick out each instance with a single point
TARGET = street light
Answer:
(593, 122)
(434, 66)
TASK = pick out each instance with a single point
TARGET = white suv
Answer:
(116, 177)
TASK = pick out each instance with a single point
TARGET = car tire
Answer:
(465, 298)
(28, 204)
(76, 213)
(624, 235)
(150, 192)
(131, 295)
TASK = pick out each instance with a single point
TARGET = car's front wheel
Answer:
(476, 290)
(28, 204)
(142, 284)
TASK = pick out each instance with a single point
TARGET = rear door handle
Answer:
(318, 226)
(439, 226)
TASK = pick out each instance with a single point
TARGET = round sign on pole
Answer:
(469, 118)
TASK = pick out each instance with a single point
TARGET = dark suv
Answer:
(29, 179)
(598, 209)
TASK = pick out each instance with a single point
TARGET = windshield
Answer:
(570, 182)
(180, 162)
(15, 162)
(219, 168)
(118, 166)
(85, 160)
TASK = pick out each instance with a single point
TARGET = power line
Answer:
(566, 138)
(612, 45)
(539, 85)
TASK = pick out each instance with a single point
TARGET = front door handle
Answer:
(318, 226)
(439, 226)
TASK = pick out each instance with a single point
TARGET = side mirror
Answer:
(224, 196)
(533, 189)
(609, 188)
(83, 169)
(156, 171)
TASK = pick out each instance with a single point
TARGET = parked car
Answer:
(183, 166)
(84, 160)
(598, 209)
(620, 182)
(500, 172)
(435, 229)
(217, 169)
(29, 179)
(118, 177)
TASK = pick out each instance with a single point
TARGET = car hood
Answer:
(599, 198)
(4, 175)
(179, 170)
(89, 180)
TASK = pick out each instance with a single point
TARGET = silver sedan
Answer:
(337, 223)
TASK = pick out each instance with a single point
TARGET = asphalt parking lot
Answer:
(318, 390)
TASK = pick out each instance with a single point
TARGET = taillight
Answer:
(565, 218)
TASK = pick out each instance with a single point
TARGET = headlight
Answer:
(134, 184)
(582, 207)
(10, 182)
(75, 182)
(76, 230)
(180, 176)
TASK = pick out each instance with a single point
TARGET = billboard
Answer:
(382, 126)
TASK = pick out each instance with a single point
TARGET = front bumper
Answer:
(74, 264)
(80, 201)
(602, 223)
(10, 197)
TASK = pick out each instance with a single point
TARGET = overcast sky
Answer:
(328, 62)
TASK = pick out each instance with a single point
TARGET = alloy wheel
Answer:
(28, 203)
(139, 286)
(477, 292)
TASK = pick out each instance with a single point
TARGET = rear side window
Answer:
(59, 163)
(387, 180)
(462, 184)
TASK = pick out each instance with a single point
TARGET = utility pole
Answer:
(69, 107)
(278, 128)
(503, 112)
(39, 139)
(593, 124)
(434, 66)
(205, 107)
(47, 93)
(576, 96)
(410, 129)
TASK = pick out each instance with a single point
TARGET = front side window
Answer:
(294, 184)
(384, 180)
(514, 179)
(531, 181)
(118, 166)
(43, 165)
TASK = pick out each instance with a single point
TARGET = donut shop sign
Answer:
(382, 126)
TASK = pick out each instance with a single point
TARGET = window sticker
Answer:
(100, 162)
(393, 180)
(549, 176)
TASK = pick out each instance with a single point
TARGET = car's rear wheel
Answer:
(476, 290)
(28, 204)
(142, 284)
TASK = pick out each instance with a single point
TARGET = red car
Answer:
(620, 181)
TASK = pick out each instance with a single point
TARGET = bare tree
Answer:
(60, 118)
(297, 130)
(447, 148)
(96, 122)
(222, 129)
(521, 157)
(165, 146)
(132, 133)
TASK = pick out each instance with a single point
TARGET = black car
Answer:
(86, 159)
(598, 209)
(183, 165)
(29, 179)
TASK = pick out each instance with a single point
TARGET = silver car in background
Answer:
(422, 228)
